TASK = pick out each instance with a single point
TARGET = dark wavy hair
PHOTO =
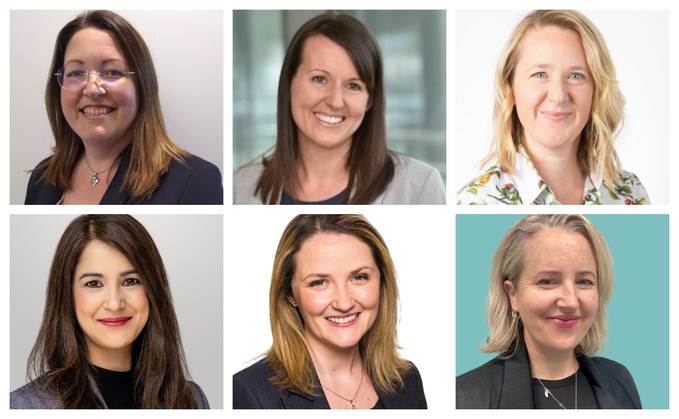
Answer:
(370, 165)
(59, 361)
(151, 151)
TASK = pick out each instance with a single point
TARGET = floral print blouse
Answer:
(527, 187)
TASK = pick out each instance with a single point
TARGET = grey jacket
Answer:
(29, 397)
(414, 183)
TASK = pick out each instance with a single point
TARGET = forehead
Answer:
(551, 43)
(556, 248)
(333, 251)
(319, 52)
(92, 44)
(99, 254)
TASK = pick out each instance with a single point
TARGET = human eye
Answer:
(318, 79)
(546, 282)
(130, 282)
(76, 74)
(355, 86)
(586, 282)
(318, 283)
(112, 73)
(360, 278)
(540, 75)
(93, 284)
(576, 76)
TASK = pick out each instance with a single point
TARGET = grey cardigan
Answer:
(414, 183)
(29, 397)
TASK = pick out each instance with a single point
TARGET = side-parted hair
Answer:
(151, 151)
(289, 354)
(506, 332)
(59, 363)
(596, 154)
(370, 164)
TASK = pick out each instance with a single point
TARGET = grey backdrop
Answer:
(187, 48)
(191, 248)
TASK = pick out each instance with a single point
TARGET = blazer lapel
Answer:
(517, 385)
(114, 195)
(295, 399)
(604, 399)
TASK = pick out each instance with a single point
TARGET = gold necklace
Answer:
(351, 401)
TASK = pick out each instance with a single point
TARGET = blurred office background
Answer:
(413, 47)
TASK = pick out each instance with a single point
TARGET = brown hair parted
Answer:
(151, 151)
(58, 363)
(289, 353)
(506, 332)
(596, 154)
(369, 163)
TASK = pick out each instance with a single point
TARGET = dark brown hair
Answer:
(59, 362)
(370, 165)
(151, 151)
(289, 355)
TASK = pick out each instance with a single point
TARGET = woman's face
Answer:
(553, 89)
(337, 289)
(110, 302)
(328, 98)
(556, 295)
(99, 117)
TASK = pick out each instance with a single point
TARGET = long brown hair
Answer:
(370, 164)
(151, 151)
(289, 353)
(59, 365)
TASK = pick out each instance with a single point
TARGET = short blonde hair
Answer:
(506, 332)
(596, 154)
(289, 353)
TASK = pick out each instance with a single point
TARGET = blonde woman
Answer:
(557, 111)
(551, 280)
(333, 310)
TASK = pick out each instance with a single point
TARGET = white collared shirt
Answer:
(527, 187)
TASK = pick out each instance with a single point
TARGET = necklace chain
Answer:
(95, 178)
(351, 401)
(549, 392)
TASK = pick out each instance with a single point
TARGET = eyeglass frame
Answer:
(62, 72)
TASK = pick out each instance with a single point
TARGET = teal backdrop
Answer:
(638, 313)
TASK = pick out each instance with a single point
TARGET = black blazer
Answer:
(253, 389)
(195, 181)
(508, 384)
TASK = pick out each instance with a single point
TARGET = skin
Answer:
(337, 276)
(106, 286)
(559, 279)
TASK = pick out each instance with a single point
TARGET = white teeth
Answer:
(341, 320)
(97, 111)
(329, 119)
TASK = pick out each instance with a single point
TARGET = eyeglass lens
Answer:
(74, 77)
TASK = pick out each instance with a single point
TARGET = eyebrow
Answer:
(550, 272)
(324, 275)
(549, 66)
(98, 275)
(102, 63)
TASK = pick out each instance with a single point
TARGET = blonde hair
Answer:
(596, 154)
(289, 353)
(506, 332)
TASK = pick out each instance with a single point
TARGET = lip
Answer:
(556, 116)
(329, 120)
(565, 322)
(347, 324)
(82, 113)
(114, 321)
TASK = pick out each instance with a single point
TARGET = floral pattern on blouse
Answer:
(527, 187)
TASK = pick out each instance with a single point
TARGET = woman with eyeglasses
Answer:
(104, 110)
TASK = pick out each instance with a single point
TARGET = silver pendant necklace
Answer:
(549, 393)
(95, 178)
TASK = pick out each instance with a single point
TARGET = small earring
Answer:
(294, 305)
(513, 314)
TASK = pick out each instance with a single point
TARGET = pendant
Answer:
(352, 405)
(546, 393)
(95, 180)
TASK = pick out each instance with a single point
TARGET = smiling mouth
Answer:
(565, 322)
(556, 116)
(343, 320)
(96, 111)
(328, 119)
(114, 321)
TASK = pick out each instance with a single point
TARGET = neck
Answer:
(336, 364)
(111, 359)
(561, 171)
(322, 173)
(551, 366)
(99, 157)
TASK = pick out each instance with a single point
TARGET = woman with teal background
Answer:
(638, 313)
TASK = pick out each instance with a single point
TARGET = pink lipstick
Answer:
(565, 322)
(556, 116)
(114, 321)
(343, 321)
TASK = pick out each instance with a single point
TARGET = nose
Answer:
(342, 298)
(568, 300)
(558, 91)
(115, 299)
(335, 98)
(92, 88)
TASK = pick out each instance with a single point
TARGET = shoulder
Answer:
(476, 389)
(191, 180)
(487, 189)
(410, 395)
(198, 395)
(40, 191)
(627, 190)
(616, 379)
(30, 396)
(609, 370)
(244, 183)
(253, 389)
(414, 182)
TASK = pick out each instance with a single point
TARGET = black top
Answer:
(507, 384)
(287, 200)
(253, 389)
(564, 391)
(195, 181)
(116, 387)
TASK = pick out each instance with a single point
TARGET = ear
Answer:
(511, 292)
(291, 299)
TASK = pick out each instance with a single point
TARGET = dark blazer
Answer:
(253, 389)
(195, 181)
(508, 384)
(27, 397)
